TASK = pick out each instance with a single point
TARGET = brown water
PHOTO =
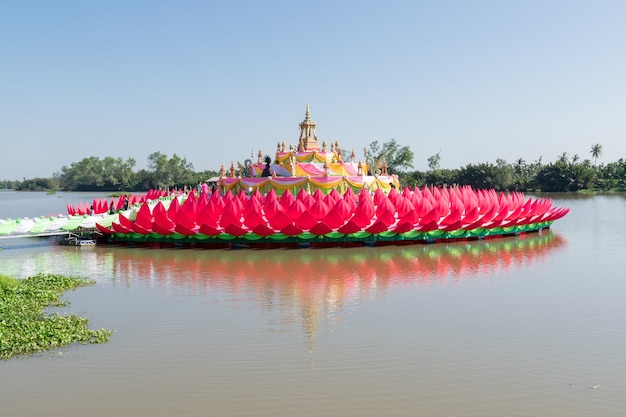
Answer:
(527, 326)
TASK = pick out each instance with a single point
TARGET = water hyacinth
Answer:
(25, 328)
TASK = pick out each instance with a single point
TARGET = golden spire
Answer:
(308, 136)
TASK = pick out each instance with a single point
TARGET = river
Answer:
(532, 325)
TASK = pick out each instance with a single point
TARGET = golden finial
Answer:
(278, 146)
(222, 171)
(232, 169)
(260, 156)
(324, 146)
(352, 156)
(284, 146)
(360, 169)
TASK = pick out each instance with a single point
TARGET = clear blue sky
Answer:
(213, 81)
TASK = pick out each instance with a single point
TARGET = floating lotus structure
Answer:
(316, 219)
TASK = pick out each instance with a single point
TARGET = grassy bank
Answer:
(25, 328)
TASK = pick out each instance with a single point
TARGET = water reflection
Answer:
(300, 287)
(579, 196)
(367, 267)
(346, 268)
(303, 290)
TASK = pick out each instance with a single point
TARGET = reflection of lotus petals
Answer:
(420, 215)
(340, 272)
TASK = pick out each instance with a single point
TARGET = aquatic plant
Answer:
(25, 327)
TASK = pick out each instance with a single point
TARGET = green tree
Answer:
(612, 176)
(436, 176)
(398, 158)
(433, 161)
(524, 175)
(441, 177)
(118, 174)
(38, 184)
(84, 175)
(596, 152)
(170, 172)
(487, 175)
(94, 174)
(565, 175)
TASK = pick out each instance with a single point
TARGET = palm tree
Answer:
(596, 152)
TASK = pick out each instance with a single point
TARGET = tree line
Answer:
(117, 175)
(566, 174)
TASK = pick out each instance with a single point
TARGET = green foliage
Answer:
(9, 184)
(524, 175)
(170, 172)
(482, 175)
(95, 174)
(612, 175)
(26, 329)
(596, 152)
(434, 161)
(398, 158)
(566, 175)
(440, 177)
(38, 184)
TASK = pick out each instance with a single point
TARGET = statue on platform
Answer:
(266, 170)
